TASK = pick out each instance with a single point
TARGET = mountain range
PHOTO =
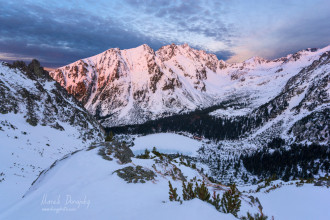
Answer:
(286, 97)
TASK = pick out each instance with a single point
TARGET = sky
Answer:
(58, 32)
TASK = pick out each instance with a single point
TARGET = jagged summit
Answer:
(255, 60)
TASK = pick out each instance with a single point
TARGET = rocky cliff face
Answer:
(132, 86)
(30, 91)
(300, 112)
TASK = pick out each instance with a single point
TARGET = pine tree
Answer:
(109, 137)
(196, 190)
(230, 202)
(147, 154)
(173, 196)
(203, 192)
(256, 216)
(185, 194)
(287, 174)
(190, 191)
(216, 200)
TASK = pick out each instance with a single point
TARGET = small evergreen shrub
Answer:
(216, 201)
(146, 155)
(202, 192)
(188, 191)
(256, 216)
(173, 195)
(109, 137)
(135, 174)
(230, 202)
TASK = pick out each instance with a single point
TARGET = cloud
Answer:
(60, 32)
(283, 28)
(177, 18)
(224, 55)
(58, 37)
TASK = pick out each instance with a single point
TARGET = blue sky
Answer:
(62, 31)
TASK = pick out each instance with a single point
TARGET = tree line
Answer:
(198, 122)
(296, 161)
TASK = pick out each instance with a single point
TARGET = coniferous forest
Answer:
(299, 161)
(198, 122)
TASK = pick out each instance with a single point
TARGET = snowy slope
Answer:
(73, 189)
(132, 86)
(39, 123)
(301, 111)
(82, 191)
(291, 202)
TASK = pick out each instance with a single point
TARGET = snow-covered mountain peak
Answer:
(255, 61)
(166, 53)
(143, 49)
(134, 85)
